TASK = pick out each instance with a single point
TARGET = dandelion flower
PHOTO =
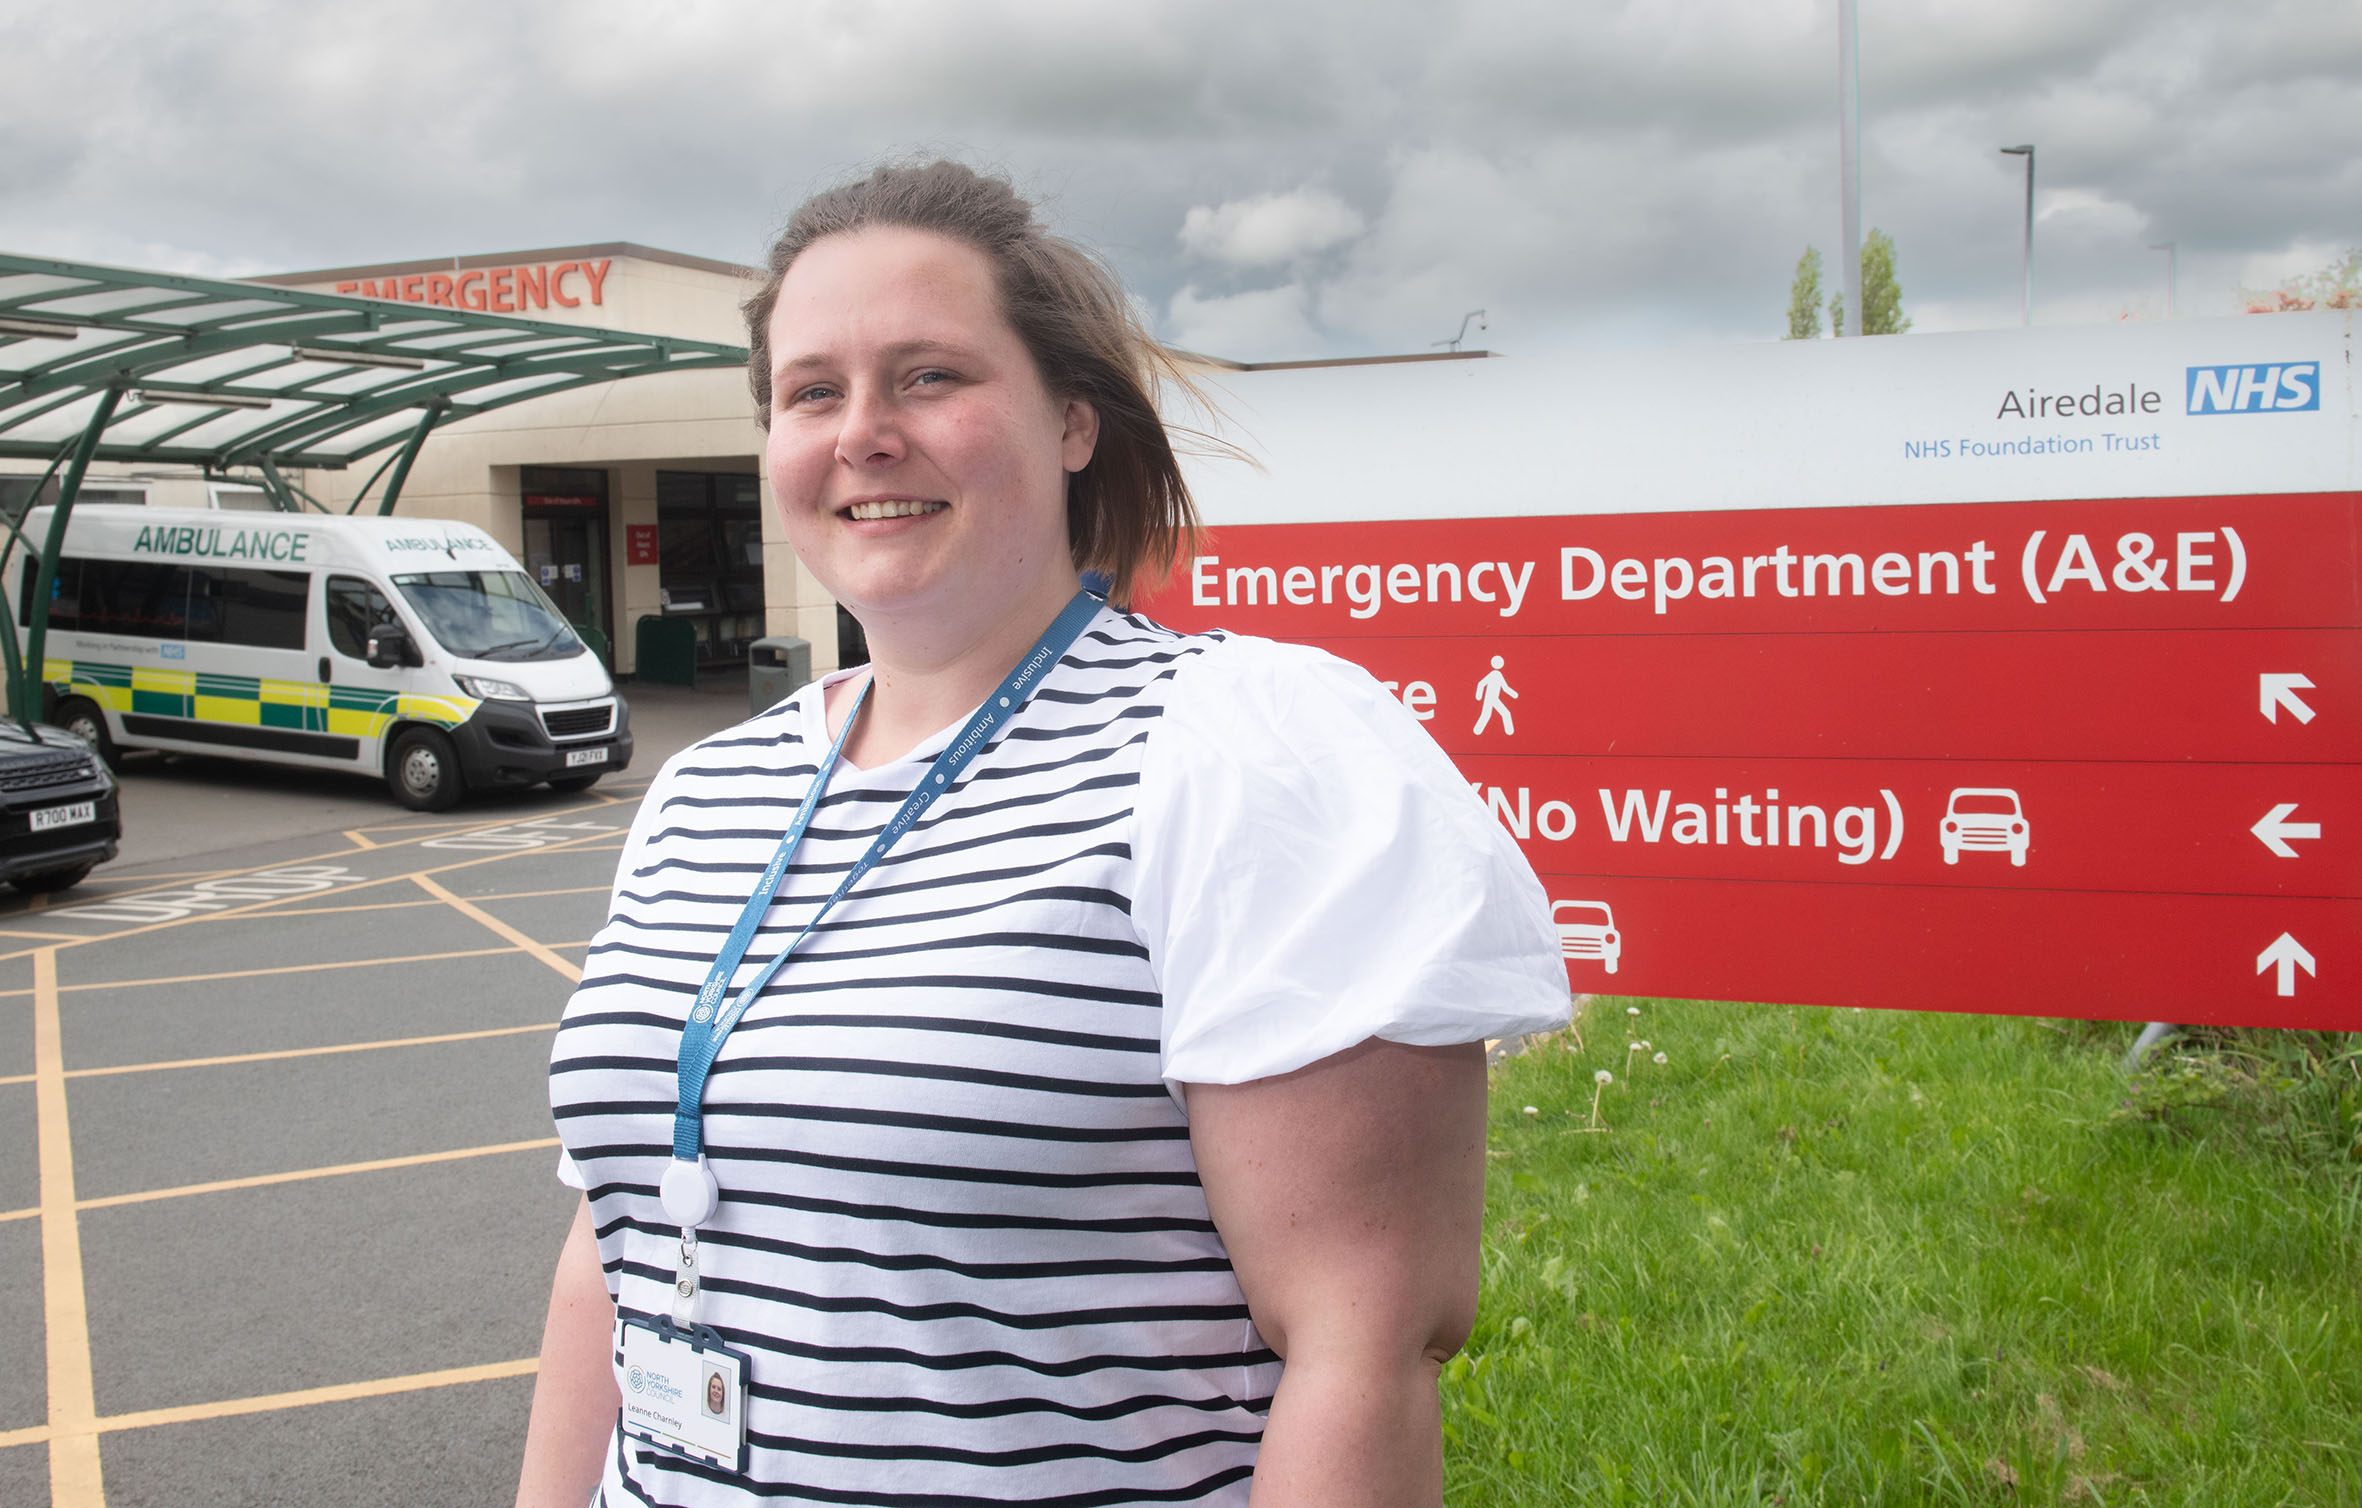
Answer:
(1631, 1010)
(1533, 1110)
(1660, 1057)
(1599, 1080)
(1644, 1044)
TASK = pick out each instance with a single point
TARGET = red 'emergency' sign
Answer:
(2091, 754)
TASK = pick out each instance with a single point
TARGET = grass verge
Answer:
(1862, 1257)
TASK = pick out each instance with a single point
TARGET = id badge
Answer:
(683, 1391)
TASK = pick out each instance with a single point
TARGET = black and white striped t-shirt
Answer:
(960, 1231)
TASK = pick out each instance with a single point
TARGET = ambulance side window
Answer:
(354, 608)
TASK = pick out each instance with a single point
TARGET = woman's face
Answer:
(918, 463)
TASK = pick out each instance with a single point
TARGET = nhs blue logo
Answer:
(2293, 388)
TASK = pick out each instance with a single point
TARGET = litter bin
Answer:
(776, 669)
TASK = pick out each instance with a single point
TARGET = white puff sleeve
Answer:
(1313, 872)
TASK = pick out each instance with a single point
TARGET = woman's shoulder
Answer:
(1244, 694)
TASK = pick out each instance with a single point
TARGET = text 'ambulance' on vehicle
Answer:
(415, 649)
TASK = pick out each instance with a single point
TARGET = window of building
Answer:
(565, 518)
(242, 498)
(709, 544)
(16, 495)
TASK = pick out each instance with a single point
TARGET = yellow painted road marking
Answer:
(314, 1052)
(302, 1175)
(74, 1478)
(567, 846)
(285, 968)
(359, 838)
(272, 916)
(294, 1052)
(477, 913)
(342, 1392)
(147, 882)
(26, 1214)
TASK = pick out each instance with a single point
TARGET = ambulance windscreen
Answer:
(490, 615)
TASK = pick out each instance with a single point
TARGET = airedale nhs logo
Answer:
(2294, 387)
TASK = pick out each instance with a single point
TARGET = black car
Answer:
(58, 814)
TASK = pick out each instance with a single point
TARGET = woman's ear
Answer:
(1082, 434)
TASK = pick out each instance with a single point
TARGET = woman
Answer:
(1118, 1136)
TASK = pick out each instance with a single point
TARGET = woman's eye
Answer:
(928, 378)
(813, 393)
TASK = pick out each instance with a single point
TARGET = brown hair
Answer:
(1128, 512)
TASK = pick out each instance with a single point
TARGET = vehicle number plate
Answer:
(575, 758)
(49, 817)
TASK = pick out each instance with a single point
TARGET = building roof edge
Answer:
(506, 259)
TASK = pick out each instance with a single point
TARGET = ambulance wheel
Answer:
(422, 770)
(80, 717)
(569, 784)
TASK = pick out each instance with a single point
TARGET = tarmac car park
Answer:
(280, 1071)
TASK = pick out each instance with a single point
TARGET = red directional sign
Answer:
(2008, 694)
(2082, 757)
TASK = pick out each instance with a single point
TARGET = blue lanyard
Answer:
(710, 1021)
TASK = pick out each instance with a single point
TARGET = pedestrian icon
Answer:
(1490, 690)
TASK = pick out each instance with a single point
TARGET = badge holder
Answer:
(684, 1391)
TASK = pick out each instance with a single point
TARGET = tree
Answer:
(1804, 297)
(1882, 296)
(2336, 286)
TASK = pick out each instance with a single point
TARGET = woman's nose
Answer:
(870, 434)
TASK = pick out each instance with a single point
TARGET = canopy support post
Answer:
(11, 657)
(393, 485)
(25, 694)
(282, 495)
(362, 496)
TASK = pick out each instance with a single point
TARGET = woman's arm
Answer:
(574, 1398)
(1350, 1194)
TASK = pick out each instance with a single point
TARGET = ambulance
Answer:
(413, 650)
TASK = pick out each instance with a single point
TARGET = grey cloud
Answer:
(1589, 172)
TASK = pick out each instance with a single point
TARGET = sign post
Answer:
(2051, 703)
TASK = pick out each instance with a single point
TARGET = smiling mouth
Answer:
(897, 508)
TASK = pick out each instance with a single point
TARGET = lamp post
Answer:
(2172, 271)
(2027, 152)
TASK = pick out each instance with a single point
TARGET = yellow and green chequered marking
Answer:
(201, 696)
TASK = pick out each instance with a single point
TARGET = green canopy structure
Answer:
(110, 364)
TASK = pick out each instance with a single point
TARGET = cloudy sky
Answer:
(1275, 179)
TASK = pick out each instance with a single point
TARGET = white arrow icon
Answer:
(2275, 830)
(2291, 956)
(2275, 690)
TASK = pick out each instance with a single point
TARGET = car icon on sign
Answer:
(1587, 929)
(1985, 818)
